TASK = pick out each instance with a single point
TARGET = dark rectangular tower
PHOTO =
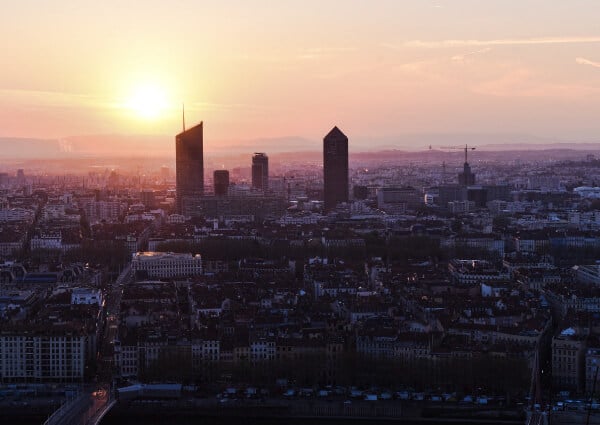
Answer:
(221, 182)
(260, 171)
(335, 168)
(189, 162)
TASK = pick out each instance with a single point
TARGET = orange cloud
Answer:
(497, 42)
(523, 82)
(461, 58)
(584, 61)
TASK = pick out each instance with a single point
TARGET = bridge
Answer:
(89, 406)
(84, 409)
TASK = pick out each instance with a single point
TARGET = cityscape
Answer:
(304, 261)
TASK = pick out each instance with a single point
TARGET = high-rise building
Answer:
(467, 177)
(335, 168)
(260, 171)
(20, 176)
(221, 182)
(189, 162)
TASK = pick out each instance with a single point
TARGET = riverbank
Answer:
(180, 420)
(30, 410)
(302, 412)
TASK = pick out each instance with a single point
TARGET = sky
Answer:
(254, 69)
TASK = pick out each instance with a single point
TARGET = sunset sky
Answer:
(258, 69)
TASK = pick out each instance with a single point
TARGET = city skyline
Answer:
(381, 73)
(438, 260)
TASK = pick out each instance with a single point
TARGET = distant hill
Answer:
(21, 148)
(588, 146)
(292, 148)
(268, 145)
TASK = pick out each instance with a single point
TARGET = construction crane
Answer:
(466, 148)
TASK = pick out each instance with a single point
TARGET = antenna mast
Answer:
(183, 115)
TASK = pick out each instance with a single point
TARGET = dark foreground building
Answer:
(189, 160)
(335, 168)
(259, 207)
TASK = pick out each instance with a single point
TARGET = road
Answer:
(84, 410)
(112, 305)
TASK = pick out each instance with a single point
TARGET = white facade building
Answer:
(36, 358)
(86, 296)
(48, 240)
(262, 350)
(167, 264)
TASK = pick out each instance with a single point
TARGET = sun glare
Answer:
(148, 101)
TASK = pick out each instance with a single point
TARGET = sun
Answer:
(148, 101)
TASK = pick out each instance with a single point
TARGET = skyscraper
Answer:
(20, 176)
(260, 171)
(221, 182)
(335, 168)
(467, 177)
(189, 162)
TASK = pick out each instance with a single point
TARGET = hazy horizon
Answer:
(122, 145)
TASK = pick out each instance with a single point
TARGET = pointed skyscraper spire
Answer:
(183, 115)
(335, 132)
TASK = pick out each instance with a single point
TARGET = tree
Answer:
(174, 363)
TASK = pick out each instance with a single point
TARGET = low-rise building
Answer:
(86, 296)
